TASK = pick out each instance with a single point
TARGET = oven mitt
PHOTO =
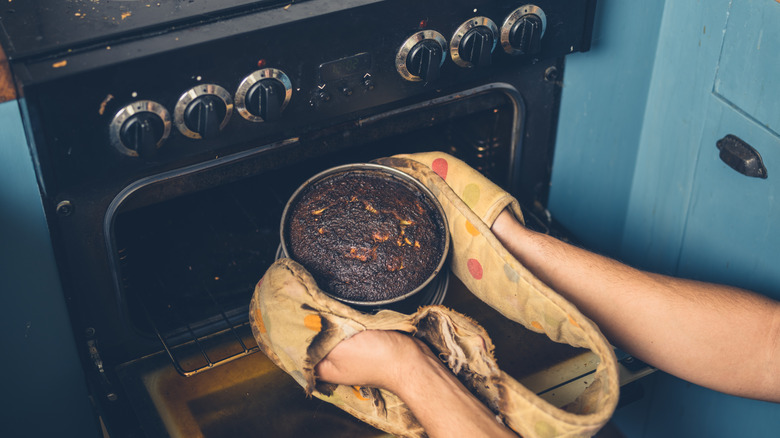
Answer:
(471, 203)
(297, 325)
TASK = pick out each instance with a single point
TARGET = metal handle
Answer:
(741, 157)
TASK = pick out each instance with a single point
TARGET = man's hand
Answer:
(406, 367)
(375, 358)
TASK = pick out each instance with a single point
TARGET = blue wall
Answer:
(43, 386)
(637, 176)
(602, 109)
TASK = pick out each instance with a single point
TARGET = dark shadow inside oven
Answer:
(188, 265)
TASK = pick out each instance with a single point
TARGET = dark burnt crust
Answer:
(365, 235)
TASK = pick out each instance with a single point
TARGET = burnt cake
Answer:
(365, 235)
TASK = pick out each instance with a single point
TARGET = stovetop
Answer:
(40, 27)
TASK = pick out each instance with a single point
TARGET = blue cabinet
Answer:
(689, 214)
(659, 197)
(43, 386)
(732, 231)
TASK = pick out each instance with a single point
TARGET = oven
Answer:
(167, 138)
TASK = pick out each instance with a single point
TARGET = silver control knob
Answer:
(139, 129)
(203, 111)
(263, 95)
(522, 31)
(473, 42)
(421, 56)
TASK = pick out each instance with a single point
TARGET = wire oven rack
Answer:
(197, 347)
(189, 267)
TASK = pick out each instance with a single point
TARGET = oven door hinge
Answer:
(94, 355)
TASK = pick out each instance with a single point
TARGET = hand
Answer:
(374, 358)
(406, 367)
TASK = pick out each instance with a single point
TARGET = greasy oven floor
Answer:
(251, 397)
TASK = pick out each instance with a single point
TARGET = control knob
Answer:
(203, 111)
(421, 56)
(263, 95)
(473, 42)
(522, 31)
(139, 129)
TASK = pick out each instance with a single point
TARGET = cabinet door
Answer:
(732, 233)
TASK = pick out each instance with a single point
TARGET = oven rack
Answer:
(201, 346)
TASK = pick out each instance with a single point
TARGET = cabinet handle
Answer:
(741, 157)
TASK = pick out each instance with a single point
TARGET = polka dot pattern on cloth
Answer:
(440, 166)
(471, 229)
(475, 268)
(511, 274)
(545, 429)
(259, 322)
(357, 393)
(312, 322)
(470, 195)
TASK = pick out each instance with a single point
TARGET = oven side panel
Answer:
(42, 371)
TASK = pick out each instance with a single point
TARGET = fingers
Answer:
(373, 358)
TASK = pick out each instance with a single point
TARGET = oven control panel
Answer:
(203, 111)
(175, 98)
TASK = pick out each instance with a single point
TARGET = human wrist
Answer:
(409, 364)
(508, 229)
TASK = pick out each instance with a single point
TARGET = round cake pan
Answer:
(436, 281)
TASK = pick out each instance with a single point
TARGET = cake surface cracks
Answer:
(366, 236)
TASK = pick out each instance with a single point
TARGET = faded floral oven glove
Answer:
(297, 325)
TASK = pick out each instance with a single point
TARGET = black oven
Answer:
(167, 138)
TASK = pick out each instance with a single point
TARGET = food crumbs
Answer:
(359, 254)
(216, 278)
(287, 7)
(62, 63)
(104, 103)
(378, 237)
(126, 14)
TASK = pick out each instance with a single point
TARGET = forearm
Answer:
(716, 336)
(443, 406)
(406, 367)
